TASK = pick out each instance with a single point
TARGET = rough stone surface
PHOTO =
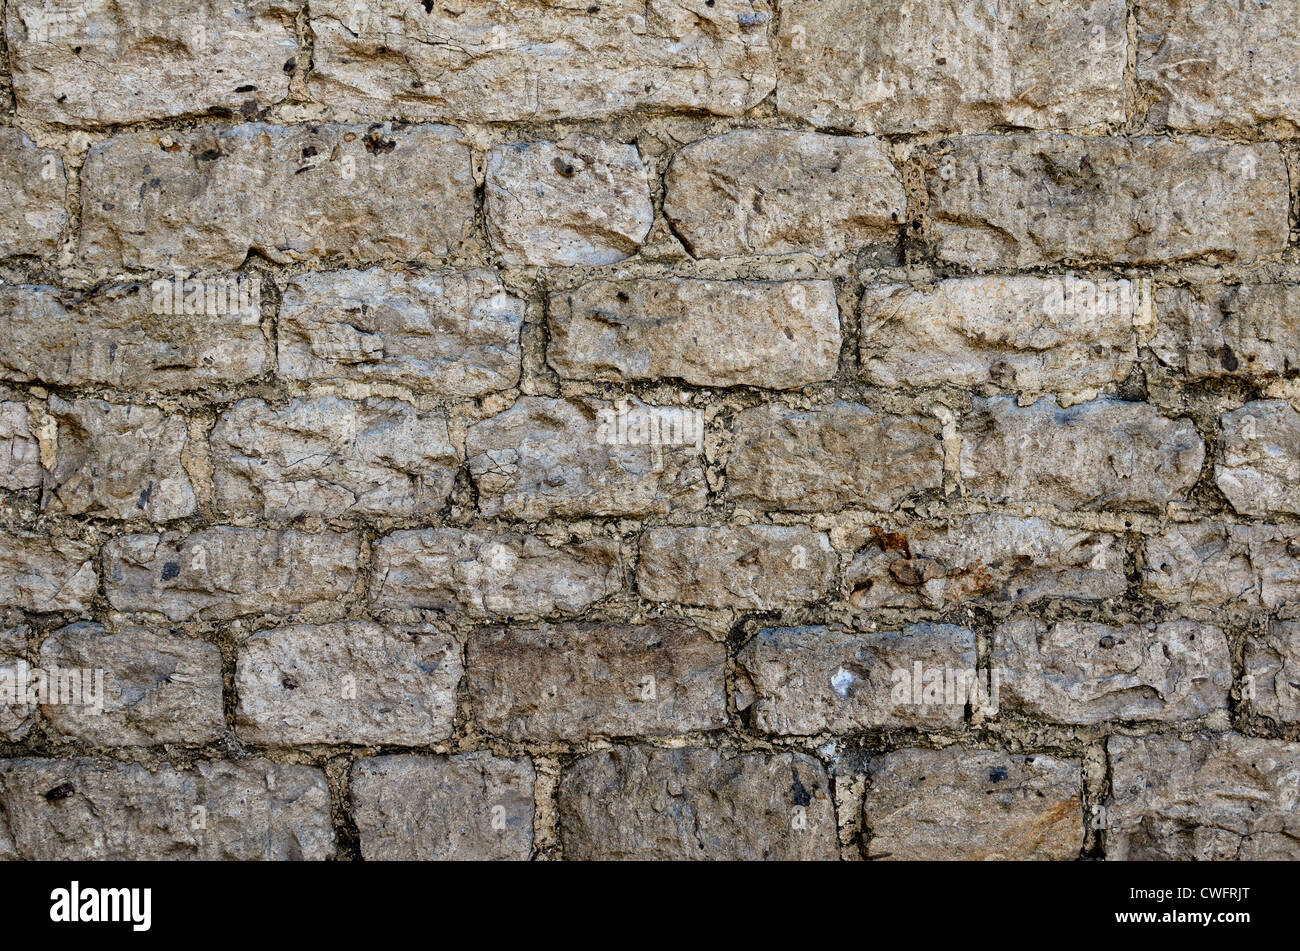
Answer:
(1219, 66)
(470, 807)
(748, 568)
(1215, 564)
(557, 457)
(974, 805)
(20, 454)
(328, 456)
(116, 336)
(1229, 330)
(224, 572)
(101, 63)
(1273, 671)
(1105, 454)
(634, 802)
(534, 60)
(1020, 334)
(159, 687)
(711, 333)
(455, 333)
(349, 682)
(570, 681)
(1215, 796)
(32, 183)
(810, 680)
(952, 66)
(985, 558)
(289, 193)
(556, 204)
(491, 574)
(1083, 672)
(832, 457)
(774, 192)
(46, 574)
(1259, 458)
(118, 461)
(1021, 200)
(251, 810)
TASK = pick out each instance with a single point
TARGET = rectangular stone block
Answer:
(587, 457)
(468, 807)
(95, 63)
(496, 62)
(347, 682)
(1023, 200)
(1213, 797)
(950, 66)
(118, 461)
(832, 457)
(491, 574)
(20, 453)
(567, 682)
(559, 204)
(158, 687)
(206, 198)
(130, 336)
(810, 680)
(32, 182)
(332, 457)
(781, 335)
(1272, 681)
(83, 810)
(986, 558)
(743, 567)
(1214, 564)
(453, 333)
(760, 191)
(641, 803)
(1258, 468)
(973, 805)
(224, 572)
(46, 574)
(1228, 330)
(1233, 68)
(1080, 672)
(1004, 333)
(1106, 454)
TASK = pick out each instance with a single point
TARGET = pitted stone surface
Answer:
(974, 805)
(1213, 797)
(332, 457)
(711, 333)
(288, 193)
(83, 809)
(555, 204)
(468, 807)
(455, 333)
(486, 574)
(634, 802)
(773, 192)
(950, 67)
(534, 60)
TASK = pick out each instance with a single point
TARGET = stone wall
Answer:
(664, 429)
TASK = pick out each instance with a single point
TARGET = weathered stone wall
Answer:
(625, 429)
